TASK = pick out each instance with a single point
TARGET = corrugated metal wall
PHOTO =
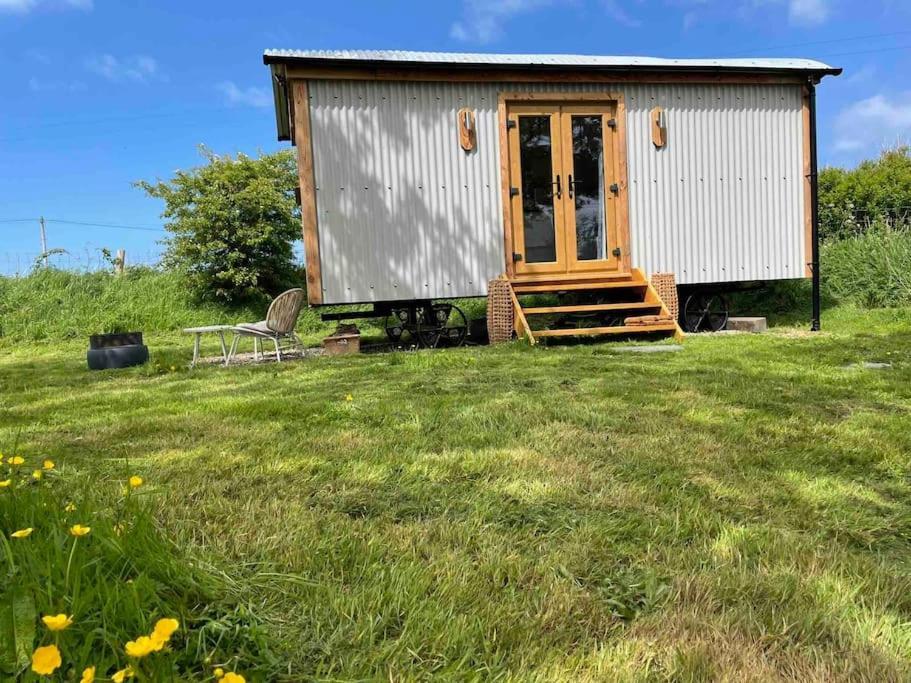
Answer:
(404, 213)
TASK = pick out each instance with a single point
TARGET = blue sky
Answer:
(98, 93)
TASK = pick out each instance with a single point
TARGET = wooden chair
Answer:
(278, 325)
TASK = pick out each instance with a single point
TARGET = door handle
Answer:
(559, 189)
(569, 185)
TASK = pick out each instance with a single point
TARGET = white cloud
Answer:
(620, 15)
(876, 122)
(137, 69)
(483, 19)
(38, 85)
(23, 6)
(808, 12)
(800, 12)
(250, 97)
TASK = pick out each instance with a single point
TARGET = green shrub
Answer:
(92, 559)
(871, 269)
(851, 200)
(233, 222)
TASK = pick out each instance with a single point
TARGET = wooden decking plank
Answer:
(582, 308)
(576, 286)
(623, 329)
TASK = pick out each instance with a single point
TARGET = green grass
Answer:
(740, 510)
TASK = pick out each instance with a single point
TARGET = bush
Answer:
(871, 269)
(95, 563)
(851, 200)
(233, 222)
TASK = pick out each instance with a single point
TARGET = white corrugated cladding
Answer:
(405, 213)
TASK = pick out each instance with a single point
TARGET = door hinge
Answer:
(615, 188)
(516, 257)
(510, 124)
(612, 123)
(616, 252)
(514, 192)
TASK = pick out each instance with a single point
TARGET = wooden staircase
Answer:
(598, 305)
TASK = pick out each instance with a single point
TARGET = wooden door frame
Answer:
(609, 98)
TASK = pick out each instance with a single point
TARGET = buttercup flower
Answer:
(164, 629)
(135, 482)
(15, 460)
(70, 507)
(46, 660)
(349, 397)
(58, 622)
(37, 474)
(48, 464)
(122, 675)
(22, 533)
(233, 678)
(79, 530)
(5, 483)
(140, 647)
(88, 675)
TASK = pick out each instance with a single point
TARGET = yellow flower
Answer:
(122, 675)
(22, 533)
(5, 483)
(135, 482)
(46, 660)
(37, 474)
(79, 530)
(219, 672)
(70, 507)
(164, 629)
(48, 464)
(233, 678)
(140, 647)
(15, 460)
(88, 675)
(57, 623)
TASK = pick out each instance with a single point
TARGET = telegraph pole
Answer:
(43, 241)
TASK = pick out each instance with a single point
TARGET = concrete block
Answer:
(747, 324)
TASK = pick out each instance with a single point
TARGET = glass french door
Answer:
(563, 188)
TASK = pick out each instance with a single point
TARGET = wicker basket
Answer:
(500, 321)
(666, 286)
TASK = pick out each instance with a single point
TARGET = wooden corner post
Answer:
(300, 106)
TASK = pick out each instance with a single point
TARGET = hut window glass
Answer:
(588, 186)
(536, 161)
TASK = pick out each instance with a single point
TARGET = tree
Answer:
(233, 222)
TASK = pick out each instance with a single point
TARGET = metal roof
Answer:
(475, 60)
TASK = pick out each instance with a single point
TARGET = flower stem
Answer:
(69, 563)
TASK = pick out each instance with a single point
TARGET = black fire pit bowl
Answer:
(122, 350)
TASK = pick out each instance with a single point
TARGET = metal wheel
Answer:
(441, 325)
(704, 312)
(399, 324)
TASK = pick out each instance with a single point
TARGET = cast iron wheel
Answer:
(441, 325)
(398, 324)
(705, 312)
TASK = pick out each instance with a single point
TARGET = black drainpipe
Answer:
(814, 198)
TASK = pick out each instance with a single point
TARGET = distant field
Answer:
(740, 510)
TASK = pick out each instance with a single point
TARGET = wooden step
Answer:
(584, 308)
(544, 278)
(536, 288)
(622, 329)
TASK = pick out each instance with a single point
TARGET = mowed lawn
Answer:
(740, 510)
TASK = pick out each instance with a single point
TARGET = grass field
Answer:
(740, 510)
